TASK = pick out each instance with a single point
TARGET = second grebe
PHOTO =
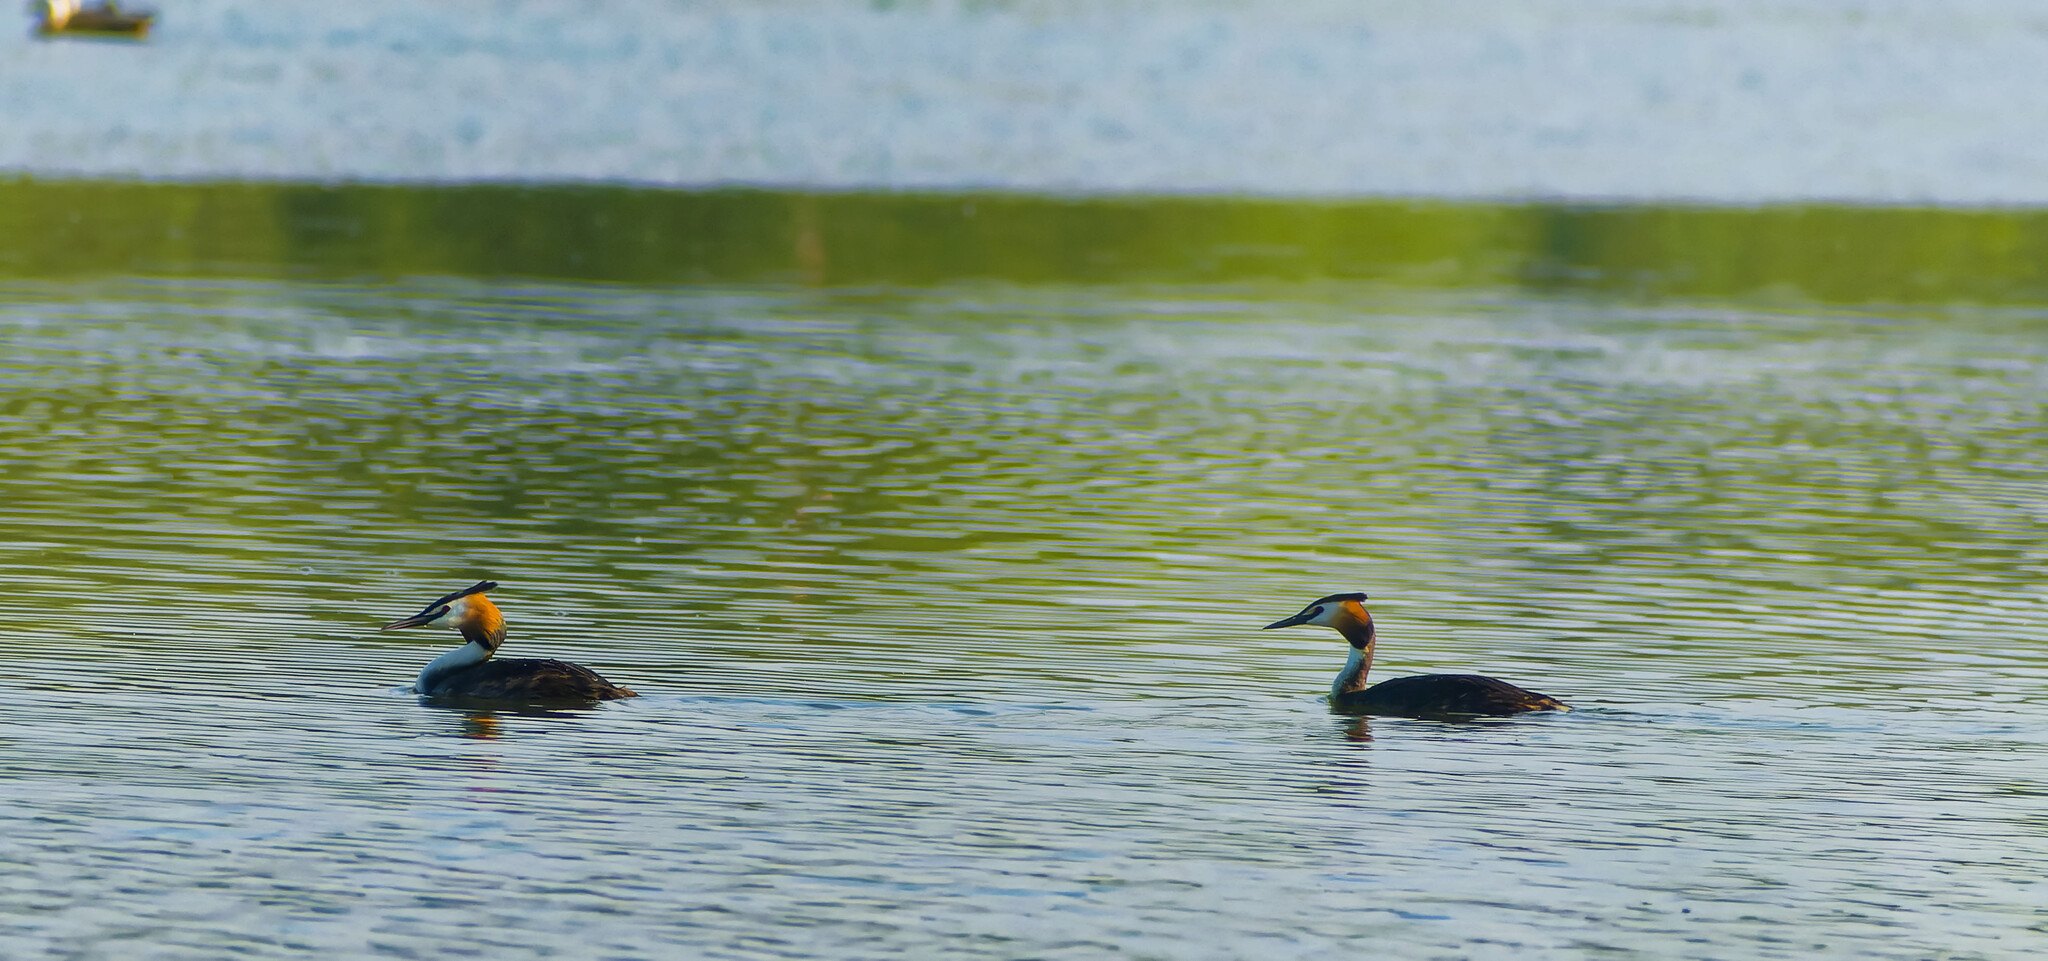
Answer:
(468, 671)
(1427, 695)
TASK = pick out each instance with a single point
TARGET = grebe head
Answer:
(1340, 611)
(466, 611)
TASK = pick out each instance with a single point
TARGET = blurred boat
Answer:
(104, 19)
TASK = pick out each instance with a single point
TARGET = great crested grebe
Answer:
(469, 672)
(1426, 695)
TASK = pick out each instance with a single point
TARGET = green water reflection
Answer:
(1826, 254)
(1517, 470)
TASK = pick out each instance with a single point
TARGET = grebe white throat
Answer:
(1345, 678)
(455, 660)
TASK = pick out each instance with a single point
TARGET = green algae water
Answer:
(937, 533)
(1840, 255)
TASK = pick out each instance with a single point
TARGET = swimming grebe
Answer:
(469, 672)
(1427, 695)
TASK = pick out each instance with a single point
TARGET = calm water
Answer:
(944, 601)
(1733, 101)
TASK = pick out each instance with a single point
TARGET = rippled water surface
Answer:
(945, 607)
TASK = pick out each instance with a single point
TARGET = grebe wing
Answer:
(530, 679)
(1446, 695)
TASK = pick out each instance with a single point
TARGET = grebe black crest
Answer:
(469, 673)
(1427, 695)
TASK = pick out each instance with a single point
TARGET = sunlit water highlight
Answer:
(945, 607)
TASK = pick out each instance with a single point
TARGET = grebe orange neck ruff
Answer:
(1428, 695)
(469, 672)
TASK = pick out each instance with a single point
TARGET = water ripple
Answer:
(945, 607)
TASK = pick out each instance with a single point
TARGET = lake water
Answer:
(1734, 101)
(936, 523)
(944, 595)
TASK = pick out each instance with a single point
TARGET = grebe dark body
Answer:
(469, 673)
(1443, 695)
(1424, 696)
(524, 679)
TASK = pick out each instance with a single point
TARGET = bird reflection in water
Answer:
(484, 720)
(480, 725)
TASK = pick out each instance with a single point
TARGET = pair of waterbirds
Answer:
(471, 673)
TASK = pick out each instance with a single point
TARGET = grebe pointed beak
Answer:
(424, 617)
(1301, 618)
